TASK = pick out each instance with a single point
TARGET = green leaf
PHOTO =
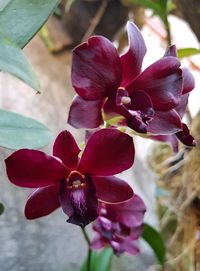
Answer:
(154, 239)
(13, 60)
(100, 261)
(158, 7)
(20, 20)
(17, 131)
(185, 52)
(1, 208)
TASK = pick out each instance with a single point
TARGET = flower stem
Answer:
(167, 26)
(87, 239)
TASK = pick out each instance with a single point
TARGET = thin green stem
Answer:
(167, 26)
(87, 239)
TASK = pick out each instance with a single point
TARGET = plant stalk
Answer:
(89, 254)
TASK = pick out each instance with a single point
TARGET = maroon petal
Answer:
(162, 81)
(79, 203)
(164, 123)
(171, 51)
(185, 137)
(181, 107)
(129, 213)
(66, 149)
(140, 101)
(96, 68)
(171, 139)
(85, 114)
(31, 168)
(107, 152)
(112, 189)
(130, 246)
(136, 123)
(132, 59)
(98, 242)
(42, 201)
(188, 81)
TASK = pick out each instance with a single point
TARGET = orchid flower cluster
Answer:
(111, 89)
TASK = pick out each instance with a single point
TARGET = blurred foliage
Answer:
(160, 8)
(179, 212)
(155, 240)
(20, 20)
(1, 208)
(17, 131)
(100, 261)
(186, 52)
(13, 60)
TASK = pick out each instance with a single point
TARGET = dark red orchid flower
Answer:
(76, 184)
(184, 134)
(119, 226)
(105, 81)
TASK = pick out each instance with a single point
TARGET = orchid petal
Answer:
(96, 68)
(162, 81)
(130, 246)
(181, 107)
(129, 213)
(170, 139)
(112, 189)
(42, 202)
(140, 101)
(133, 58)
(185, 137)
(66, 149)
(107, 152)
(188, 81)
(85, 114)
(31, 168)
(164, 123)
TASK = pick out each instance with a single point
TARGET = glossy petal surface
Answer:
(162, 81)
(85, 114)
(112, 189)
(164, 123)
(132, 59)
(181, 107)
(185, 137)
(31, 168)
(140, 101)
(42, 202)
(107, 152)
(129, 213)
(96, 68)
(66, 149)
(188, 81)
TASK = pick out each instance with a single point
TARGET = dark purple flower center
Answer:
(78, 198)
